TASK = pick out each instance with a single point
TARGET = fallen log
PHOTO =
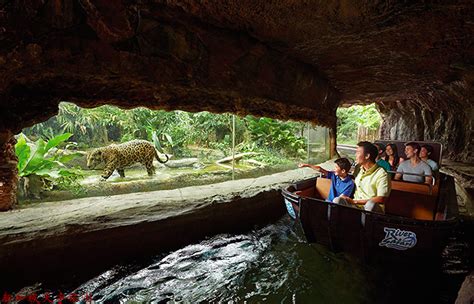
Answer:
(255, 162)
(180, 163)
(237, 157)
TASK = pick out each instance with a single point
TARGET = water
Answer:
(272, 264)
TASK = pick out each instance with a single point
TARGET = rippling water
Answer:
(273, 264)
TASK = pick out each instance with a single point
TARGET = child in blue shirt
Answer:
(341, 182)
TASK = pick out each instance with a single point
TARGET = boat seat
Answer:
(309, 192)
(412, 200)
(411, 187)
(323, 186)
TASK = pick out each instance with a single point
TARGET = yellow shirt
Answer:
(371, 183)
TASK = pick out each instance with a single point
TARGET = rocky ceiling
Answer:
(284, 59)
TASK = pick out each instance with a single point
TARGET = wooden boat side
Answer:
(292, 194)
(375, 236)
(369, 235)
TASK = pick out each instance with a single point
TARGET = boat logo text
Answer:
(398, 239)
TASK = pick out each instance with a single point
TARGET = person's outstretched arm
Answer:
(317, 168)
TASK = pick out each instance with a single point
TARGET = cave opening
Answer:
(358, 123)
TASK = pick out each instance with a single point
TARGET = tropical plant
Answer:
(38, 159)
(276, 135)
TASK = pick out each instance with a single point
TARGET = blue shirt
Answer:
(340, 186)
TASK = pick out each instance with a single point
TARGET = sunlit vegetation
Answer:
(46, 149)
(353, 121)
(175, 130)
(42, 162)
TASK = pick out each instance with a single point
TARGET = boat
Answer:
(416, 226)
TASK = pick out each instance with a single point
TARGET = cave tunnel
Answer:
(414, 60)
(278, 59)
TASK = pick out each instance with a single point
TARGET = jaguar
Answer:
(119, 156)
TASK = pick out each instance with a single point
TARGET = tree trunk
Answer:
(364, 134)
(105, 135)
(8, 171)
(333, 142)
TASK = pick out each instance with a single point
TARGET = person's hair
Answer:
(428, 148)
(343, 163)
(396, 158)
(380, 146)
(370, 149)
(415, 146)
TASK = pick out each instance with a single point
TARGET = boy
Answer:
(341, 182)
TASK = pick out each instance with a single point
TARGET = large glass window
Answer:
(200, 147)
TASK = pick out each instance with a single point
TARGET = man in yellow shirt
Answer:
(372, 182)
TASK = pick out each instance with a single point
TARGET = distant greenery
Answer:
(174, 131)
(349, 120)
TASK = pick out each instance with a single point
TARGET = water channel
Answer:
(271, 264)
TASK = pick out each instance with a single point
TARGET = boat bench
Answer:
(410, 200)
(321, 191)
(323, 186)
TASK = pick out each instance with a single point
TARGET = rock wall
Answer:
(446, 115)
(8, 171)
(415, 123)
(100, 52)
(278, 59)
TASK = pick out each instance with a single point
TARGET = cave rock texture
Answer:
(283, 59)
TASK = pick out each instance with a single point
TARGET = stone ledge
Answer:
(91, 234)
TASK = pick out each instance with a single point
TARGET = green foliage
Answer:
(266, 156)
(69, 180)
(172, 132)
(276, 135)
(33, 160)
(37, 159)
(225, 145)
(88, 125)
(349, 120)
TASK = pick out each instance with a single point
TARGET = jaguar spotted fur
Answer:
(119, 156)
